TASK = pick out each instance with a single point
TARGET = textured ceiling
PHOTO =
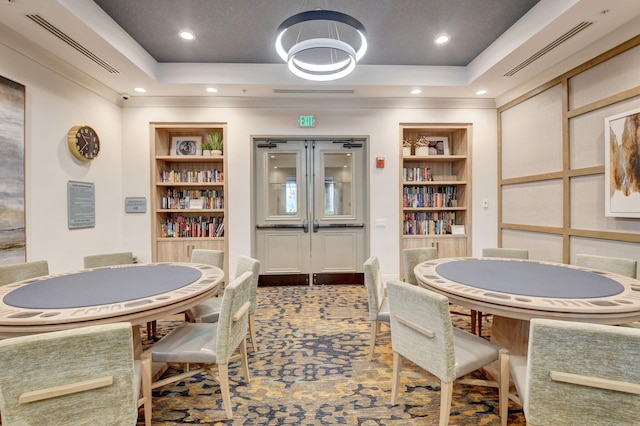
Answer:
(399, 32)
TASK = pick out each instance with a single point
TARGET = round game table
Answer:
(137, 293)
(515, 291)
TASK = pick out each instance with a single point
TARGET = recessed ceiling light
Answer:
(140, 89)
(442, 39)
(212, 90)
(481, 92)
(187, 35)
(416, 91)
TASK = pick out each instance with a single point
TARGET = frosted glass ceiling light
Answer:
(343, 56)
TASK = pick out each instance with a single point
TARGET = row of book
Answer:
(193, 199)
(428, 223)
(191, 176)
(429, 196)
(192, 227)
(416, 174)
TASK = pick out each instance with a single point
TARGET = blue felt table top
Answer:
(102, 286)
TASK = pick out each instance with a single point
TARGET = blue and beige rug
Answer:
(312, 368)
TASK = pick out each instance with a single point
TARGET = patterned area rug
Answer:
(312, 368)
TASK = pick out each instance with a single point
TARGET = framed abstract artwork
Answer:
(12, 217)
(622, 164)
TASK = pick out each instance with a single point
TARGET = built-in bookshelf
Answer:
(187, 191)
(435, 188)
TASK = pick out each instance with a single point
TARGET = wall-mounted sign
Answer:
(135, 205)
(307, 121)
(81, 205)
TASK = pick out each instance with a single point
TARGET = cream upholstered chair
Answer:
(378, 303)
(615, 265)
(410, 259)
(579, 373)
(108, 259)
(23, 271)
(209, 311)
(422, 332)
(82, 376)
(507, 253)
(209, 344)
(209, 257)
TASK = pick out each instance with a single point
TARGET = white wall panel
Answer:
(579, 245)
(534, 203)
(532, 135)
(547, 247)
(587, 207)
(606, 79)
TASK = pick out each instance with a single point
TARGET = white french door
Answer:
(310, 209)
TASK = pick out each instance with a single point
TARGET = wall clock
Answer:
(84, 143)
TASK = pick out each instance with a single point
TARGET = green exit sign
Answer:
(307, 121)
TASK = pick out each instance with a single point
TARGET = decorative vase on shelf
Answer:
(216, 152)
(207, 152)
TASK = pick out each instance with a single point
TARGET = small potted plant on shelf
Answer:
(422, 146)
(214, 140)
(206, 149)
(407, 145)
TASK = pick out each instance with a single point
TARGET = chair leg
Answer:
(479, 323)
(146, 387)
(504, 387)
(252, 332)
(245, 363)
(375, 326)
(395, 380)
(474, 316)
(446, 393)
(223, 377)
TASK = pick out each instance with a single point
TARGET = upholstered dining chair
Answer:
(578, 373)
(81, 376)
(23, 271)
(422, 332)
(411, 257)
(108, 259)
(507, 253)
(209, 310)
(616, 265)
(209, 257)
(377, 301)
(209, 344)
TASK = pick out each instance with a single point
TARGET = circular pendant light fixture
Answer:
(342, 56)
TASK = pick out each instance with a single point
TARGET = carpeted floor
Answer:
(312, 368)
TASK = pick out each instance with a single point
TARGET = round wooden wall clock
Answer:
(84, 143)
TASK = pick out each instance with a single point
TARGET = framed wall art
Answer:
(622, 164)
(13, 243)
(186, 145)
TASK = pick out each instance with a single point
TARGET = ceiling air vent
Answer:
(71, 42)
(315, 92)
(566, 36)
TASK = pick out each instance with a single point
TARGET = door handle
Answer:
(285, 226)
(317, 225)
(305, 225)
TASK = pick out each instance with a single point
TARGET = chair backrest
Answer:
(108, 259)
(374, 283)
(410, 259)
(414, 308)
(509, 253)
(594, 354)
(208, 257)
(615, 265)
(233, 322)
(98, 357)
(246, 263)
(23, 271)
